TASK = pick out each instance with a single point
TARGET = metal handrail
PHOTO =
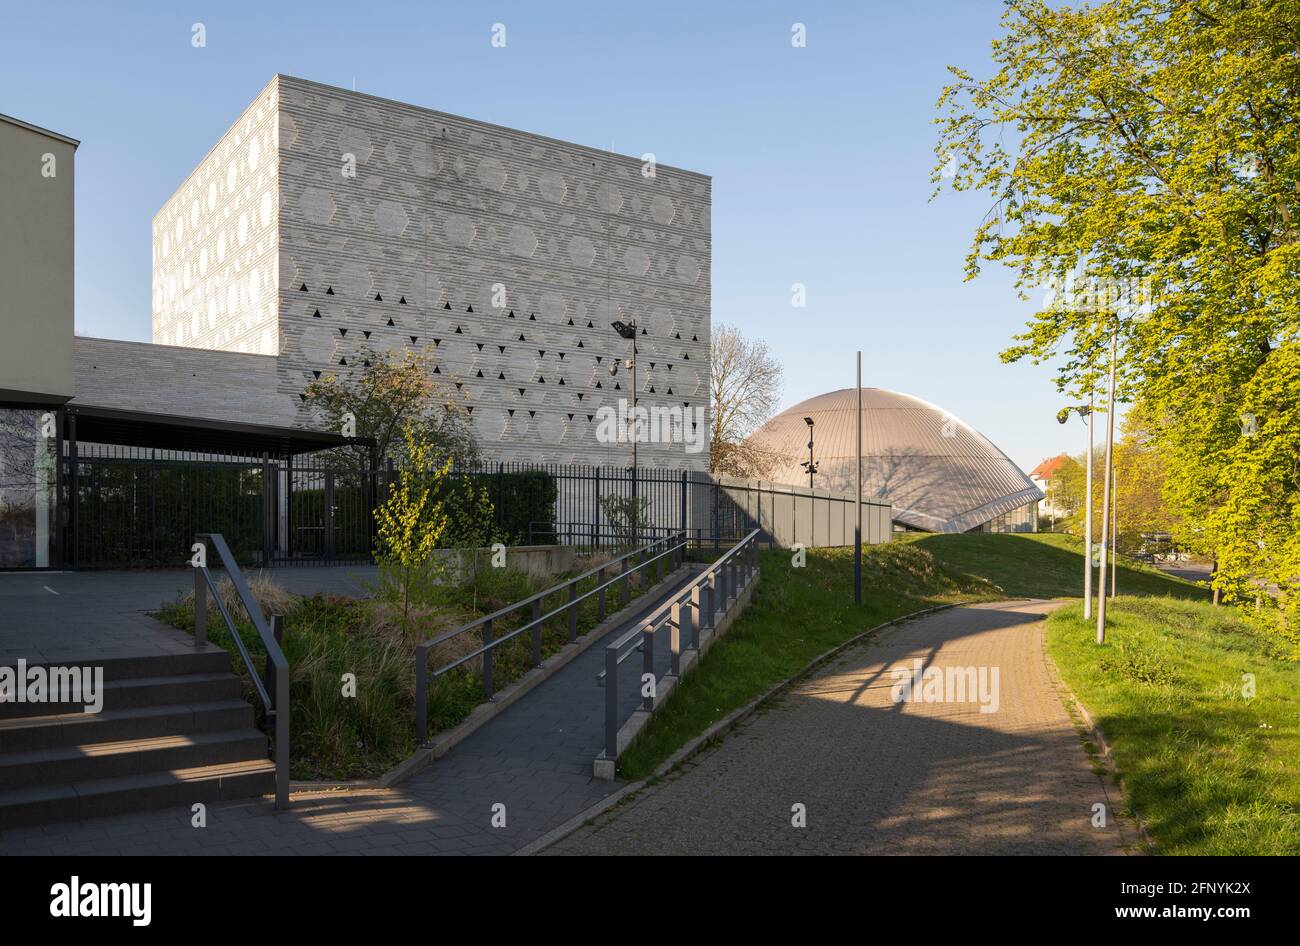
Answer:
(663, 611)
(277, 708)
(674, 552)
(703, 599)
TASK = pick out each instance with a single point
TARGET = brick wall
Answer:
(187, 382)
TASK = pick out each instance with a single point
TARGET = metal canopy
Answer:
(163, 431)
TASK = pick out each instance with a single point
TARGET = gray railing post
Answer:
(695, 616)
(675, 639)
(611, 703)
(710, 600)
(268, 670)
(200, 607)
(422, 694)
(537, 632)
(648, 663)
(487, 660)
(595, 526)
(600, 595)
(281, 721)
(573, 611)
(627, 585)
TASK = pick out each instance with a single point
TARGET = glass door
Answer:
(28, 451)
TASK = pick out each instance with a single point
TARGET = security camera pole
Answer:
(628, 330)
(809, 465)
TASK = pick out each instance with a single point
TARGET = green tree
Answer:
(381, 393)
(411, 521)
(1143, 166)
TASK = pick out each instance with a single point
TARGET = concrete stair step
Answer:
(136, 692)
(209, 659)
(109, 760)
(27, 733)
(152, 790)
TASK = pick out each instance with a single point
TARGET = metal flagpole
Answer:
(857, 532)
(1114, 528)
(1087, 546)
(1105, 505)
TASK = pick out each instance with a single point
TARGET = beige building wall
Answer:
(37, 190)
(215, 243)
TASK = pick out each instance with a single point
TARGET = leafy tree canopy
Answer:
(1142, 162)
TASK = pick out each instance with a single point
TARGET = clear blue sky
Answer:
(820, 156)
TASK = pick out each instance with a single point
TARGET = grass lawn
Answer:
(1209, 770)
(798, 613)
(1041, 565)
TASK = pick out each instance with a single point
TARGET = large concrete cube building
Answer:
(327, 223)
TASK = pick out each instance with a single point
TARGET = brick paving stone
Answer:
(884, 777)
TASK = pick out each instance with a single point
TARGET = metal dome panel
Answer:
(939, 473)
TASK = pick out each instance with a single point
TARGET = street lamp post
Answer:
(809, 465)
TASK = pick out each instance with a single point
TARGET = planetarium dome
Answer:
(938, 473)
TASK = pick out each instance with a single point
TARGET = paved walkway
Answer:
(1191, 571)
(76, 617)
(535, 759)
(883, 777)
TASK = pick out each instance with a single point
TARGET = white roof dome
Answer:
(939, 474)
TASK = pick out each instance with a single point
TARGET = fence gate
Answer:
(324, 514)
(131, 507)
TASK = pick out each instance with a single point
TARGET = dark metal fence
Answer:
(129, 506)
(141, 507)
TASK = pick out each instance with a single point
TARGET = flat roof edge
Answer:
(39, 130)
(486, 124)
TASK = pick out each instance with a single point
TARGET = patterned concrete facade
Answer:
(328, 224)
(215, 243)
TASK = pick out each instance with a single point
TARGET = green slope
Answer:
(1043, 565)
